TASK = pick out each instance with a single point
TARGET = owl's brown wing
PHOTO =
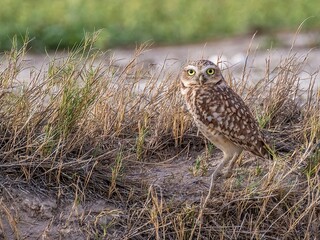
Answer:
(224, 111)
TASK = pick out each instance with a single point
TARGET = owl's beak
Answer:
(201, 79)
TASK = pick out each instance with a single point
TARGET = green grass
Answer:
(60, 24)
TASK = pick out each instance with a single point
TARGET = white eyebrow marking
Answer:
(190, 67)
(210, 66)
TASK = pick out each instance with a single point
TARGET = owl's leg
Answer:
(231, 165)
(226, 159)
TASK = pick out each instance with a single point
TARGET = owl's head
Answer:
(201, 72)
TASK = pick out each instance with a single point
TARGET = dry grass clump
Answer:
(84, 128)
(81, 110)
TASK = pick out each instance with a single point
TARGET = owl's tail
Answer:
(265, 151)
(269, 152)
(279, 144)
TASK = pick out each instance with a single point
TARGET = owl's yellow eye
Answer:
(210, 71)
(191, 72)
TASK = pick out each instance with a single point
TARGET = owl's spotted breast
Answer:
(221, 110)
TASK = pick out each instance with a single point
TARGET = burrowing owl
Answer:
(220, 113)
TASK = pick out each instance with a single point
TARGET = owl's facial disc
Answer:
(200, 73)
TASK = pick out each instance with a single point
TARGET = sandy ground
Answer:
(39, 216)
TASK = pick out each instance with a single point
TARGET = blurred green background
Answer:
(61, 23)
